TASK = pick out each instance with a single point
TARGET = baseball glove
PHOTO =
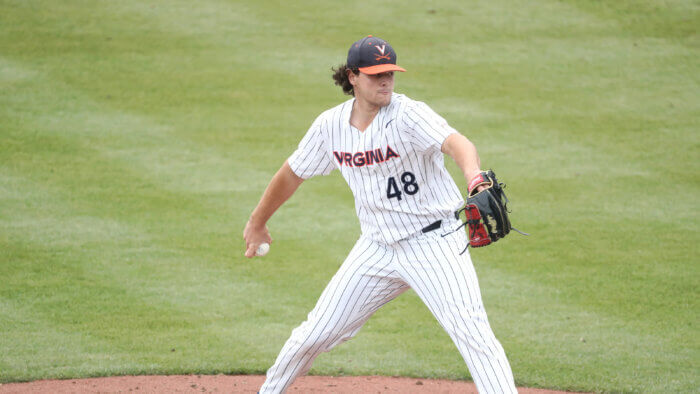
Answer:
(486, 211)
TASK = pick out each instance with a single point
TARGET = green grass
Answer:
(136, 137)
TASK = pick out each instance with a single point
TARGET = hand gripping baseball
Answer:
(254, 237)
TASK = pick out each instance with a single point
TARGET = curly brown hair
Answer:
(340, 76)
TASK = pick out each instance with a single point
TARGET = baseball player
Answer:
(389, 149)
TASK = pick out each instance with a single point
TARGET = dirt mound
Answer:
(246, 384)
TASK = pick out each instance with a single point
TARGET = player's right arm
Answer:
(283, 184)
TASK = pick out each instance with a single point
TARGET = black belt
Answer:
(436, 225)
(432, 226)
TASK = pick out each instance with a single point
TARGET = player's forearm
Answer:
(464, 154)
(283, 184)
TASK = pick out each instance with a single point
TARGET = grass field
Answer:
(136, 137)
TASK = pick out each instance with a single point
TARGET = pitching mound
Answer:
(246, 384)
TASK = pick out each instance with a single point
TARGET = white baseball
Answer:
(262, 249)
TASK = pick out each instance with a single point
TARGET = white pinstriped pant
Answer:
(374, 274)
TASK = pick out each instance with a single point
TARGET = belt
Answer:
(436, 225)
(432, 226)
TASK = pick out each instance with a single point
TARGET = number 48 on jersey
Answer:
(410, 186)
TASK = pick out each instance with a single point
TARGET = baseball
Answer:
(262, 249)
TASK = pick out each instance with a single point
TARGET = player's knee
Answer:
(329, 339)
(338, 339)
(317, 341)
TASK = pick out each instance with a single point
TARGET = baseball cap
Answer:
(372, 55)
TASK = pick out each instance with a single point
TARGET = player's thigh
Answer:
(440, 273)
(364, 279)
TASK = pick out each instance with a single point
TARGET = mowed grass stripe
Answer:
(552, 319)
(123, 294)
(87, 135)
(68, 168)
(137, 300)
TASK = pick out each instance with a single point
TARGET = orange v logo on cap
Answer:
(381, 50)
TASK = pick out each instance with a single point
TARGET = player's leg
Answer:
(364, 282)
(447, 284)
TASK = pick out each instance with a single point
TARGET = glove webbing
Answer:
(505, 205)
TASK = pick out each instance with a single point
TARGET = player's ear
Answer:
(352, 77)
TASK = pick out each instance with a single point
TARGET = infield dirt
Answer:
(247, 384)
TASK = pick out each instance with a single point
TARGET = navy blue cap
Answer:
(372, 55)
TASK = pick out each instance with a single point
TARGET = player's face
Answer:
(375, 89)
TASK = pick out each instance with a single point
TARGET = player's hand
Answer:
(254, 235)
(473, 175)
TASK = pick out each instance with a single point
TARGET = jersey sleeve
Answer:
(311, 157)
(426, 128)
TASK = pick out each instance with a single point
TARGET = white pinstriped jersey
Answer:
(395, 168)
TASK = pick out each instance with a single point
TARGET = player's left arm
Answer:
(464, 153)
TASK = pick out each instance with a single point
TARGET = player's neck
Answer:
(363, 113)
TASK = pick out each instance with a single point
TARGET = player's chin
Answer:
(384, 98)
